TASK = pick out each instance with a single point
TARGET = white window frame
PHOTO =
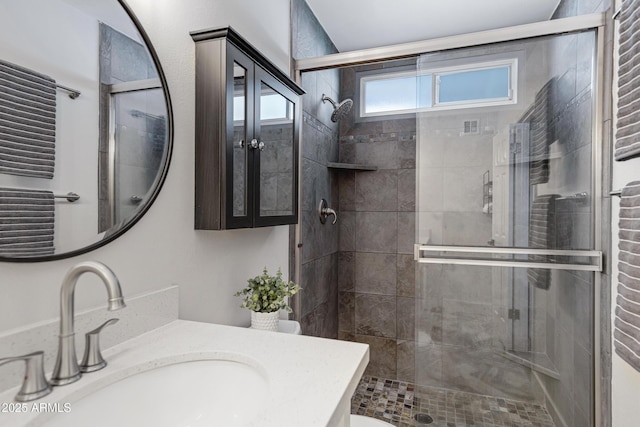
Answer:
(383, 76)
(511, 98)
(436, 104)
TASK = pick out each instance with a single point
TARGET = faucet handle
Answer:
(92, 359)
(324, 211)
(34, 385)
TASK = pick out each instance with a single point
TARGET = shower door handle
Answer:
(485, 256)
(255, 144)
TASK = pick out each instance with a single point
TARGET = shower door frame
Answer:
(597, 22)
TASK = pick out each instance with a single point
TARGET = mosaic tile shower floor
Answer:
(397, 402)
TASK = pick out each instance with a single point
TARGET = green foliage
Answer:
(266, 294)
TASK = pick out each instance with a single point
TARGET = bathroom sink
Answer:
(202, 374)
(186, 394)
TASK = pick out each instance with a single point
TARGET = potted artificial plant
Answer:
(265, 296)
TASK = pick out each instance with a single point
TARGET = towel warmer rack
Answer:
(70, 196)
(73, 94)
(583, 196)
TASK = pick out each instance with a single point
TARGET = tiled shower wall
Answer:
(318, 308)
(377, 231)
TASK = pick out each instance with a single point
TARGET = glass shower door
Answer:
(137, 147)
(505, 222)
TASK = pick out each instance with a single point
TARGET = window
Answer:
(464, 86)
(273, 107)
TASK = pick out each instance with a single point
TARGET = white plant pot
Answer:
(265, 321)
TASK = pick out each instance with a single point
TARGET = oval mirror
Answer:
(85, 126)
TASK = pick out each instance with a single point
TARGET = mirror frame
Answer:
(160, 178)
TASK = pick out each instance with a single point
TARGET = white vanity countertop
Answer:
(309, 378)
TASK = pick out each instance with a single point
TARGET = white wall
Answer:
(163, 248)
(625, 381)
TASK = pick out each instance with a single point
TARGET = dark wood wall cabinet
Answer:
(247, 113)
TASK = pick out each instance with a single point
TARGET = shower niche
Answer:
(247, 113)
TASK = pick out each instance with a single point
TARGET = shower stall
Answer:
(467, 252)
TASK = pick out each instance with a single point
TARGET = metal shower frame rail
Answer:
(413, 49)
(594, 265)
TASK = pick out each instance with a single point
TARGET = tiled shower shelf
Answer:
(539, 362)
(351, 166)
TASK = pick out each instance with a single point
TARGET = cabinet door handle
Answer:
(255, 144)
(241, 143)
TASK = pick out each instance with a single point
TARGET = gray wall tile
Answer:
(308, 294)
(406, 232)
(406, 361)
(376, 315)
(376, 232)
(377, 191)
(431, 190)
(431, 227)
(346, 271)
(347, 225)
(406, 276)
(463, 189)
(405, 323)
(347, 191)
(407, 150)
(407, 190)
(382, 355)
(384, 155)
(346, 315)
(467, 229)
(375, 273)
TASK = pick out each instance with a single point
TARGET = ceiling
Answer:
(362, 24)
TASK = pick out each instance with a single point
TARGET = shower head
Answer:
(339, 110)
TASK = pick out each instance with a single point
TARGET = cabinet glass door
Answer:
(277, 153)
(239, 130)
(239, 140)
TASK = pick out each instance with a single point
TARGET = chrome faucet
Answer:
(66, 369)
(34, 383)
